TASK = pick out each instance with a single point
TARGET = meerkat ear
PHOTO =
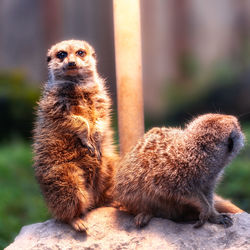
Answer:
(48, 58)
(94, 55)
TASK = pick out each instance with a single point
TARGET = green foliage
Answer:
(182, 93)
(188, 65)
(17, 100)
(21, 202)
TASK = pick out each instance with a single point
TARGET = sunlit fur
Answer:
(172, 172)
(58, 69)
(74, 155)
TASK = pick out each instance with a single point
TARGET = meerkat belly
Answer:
(176, 211)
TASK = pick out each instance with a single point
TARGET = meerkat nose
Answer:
(71, 64)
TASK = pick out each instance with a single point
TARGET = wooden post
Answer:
(128, 72)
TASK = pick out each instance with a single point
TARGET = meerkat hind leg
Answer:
(78, 224)
(142, 219)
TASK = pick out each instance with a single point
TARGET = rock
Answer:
(113, 229)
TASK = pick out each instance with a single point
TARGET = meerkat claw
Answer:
(99, 155)
(142, 219)
(78, 225)
(93, 151)
(223, 219)
(227, 221)
(90, 148)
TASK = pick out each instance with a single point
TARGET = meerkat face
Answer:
(218, 134)
(71, 59)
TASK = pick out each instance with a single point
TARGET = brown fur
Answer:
(73, 146)
(172, 173)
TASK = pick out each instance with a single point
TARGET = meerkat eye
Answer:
(230, 144)
(61, 54)
(81, 53)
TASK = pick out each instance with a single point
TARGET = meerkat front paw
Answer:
(88, 145)
(93, 145)
(78, 225)
(223, 219)
(142, 219)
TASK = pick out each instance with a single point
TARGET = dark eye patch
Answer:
(81, 53)
(61, 54)
(230, 145)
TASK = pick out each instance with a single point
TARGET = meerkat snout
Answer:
(236, 138)
(71, 64)
(235, 142)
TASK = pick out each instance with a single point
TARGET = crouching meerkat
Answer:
(172, 173)
(74, 155)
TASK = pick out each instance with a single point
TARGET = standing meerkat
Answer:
(172, 173)
(74, 154)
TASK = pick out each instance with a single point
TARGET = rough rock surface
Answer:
(113, 229)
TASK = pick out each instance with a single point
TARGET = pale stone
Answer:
(109, 228)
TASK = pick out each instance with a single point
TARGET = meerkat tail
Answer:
(225, 206)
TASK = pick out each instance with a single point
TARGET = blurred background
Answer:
(196, 59)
